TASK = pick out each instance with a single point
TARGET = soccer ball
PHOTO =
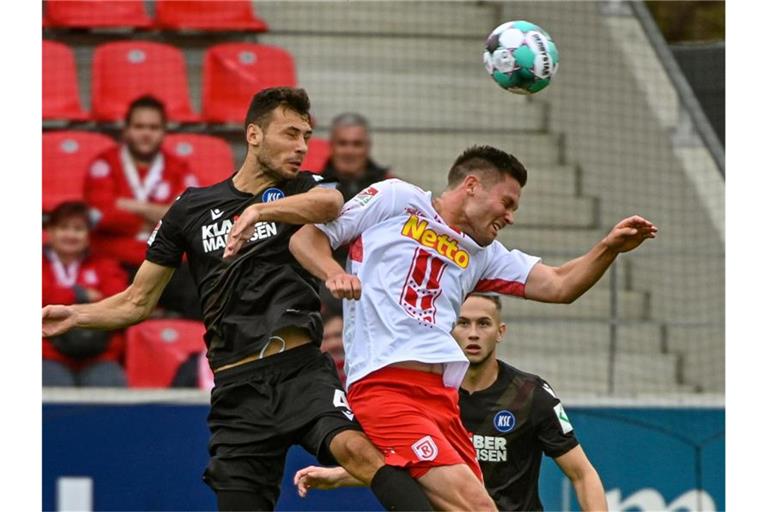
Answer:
(521, 57)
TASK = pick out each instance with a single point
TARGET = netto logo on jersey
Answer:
(272, 194)
(444, 245)
(504, 421)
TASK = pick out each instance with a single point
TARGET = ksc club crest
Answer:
(425, 448)
(272, 194)
(504, 421)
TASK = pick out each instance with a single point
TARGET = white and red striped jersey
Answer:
(415, 272)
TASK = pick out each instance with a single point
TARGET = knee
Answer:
(357, 454)
(478, 499)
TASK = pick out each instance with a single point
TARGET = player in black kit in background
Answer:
(514, 418)
(274, 388)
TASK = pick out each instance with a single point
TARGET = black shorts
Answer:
(260, 409)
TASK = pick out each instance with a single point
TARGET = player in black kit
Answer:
(514, 418)
(273, 387)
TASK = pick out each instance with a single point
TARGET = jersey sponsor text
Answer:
(215, 235)
(445, 245)
(490, 448)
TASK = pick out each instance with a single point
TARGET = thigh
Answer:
(57, 374)
(455, 487)
(107, 374)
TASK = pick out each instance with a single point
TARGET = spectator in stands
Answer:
(71, 274)
(129, 188)
(350, 161)
(332, 344)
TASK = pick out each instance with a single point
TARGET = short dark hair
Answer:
(491, 297)
(146, 101)
(67, 210)
(486, 158)
(264, 102)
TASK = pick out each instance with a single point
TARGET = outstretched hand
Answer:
(630, 233)
(316, 477)
(57, 320)
(242, 230)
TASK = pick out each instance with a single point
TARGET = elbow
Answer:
(330, 206)
(140, 306)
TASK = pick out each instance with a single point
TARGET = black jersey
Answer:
(262, 290)
(512, 423)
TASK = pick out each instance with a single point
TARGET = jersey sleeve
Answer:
(505, 271)
(553, 427)
(166, 244)
(369, 207)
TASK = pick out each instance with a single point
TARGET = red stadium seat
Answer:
(209, 158)
(317, 155)
(125, 70)
(95, 14)
(61, 99)
(156, 348)
(234, 72)
(66, 157)
(208, 15)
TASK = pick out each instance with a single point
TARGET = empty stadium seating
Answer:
(61, 99)
(124, 70)
(95, 14)
(66, 156)
(234, 72)
(317, 155)
(156, 348)
(208, 15)
(210, 158)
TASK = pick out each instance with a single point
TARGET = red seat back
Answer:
(61, 99)
(95, 13)
(317, 155)
(66, 157)
(125, 70)
(156, 348)
(234, 72)
(209, 158)
(208, 15)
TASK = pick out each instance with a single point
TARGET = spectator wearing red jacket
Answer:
(71, 275)
(129, 188)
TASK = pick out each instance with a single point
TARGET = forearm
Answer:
(115, 312)
(580, 274)
(314, 207)
(312, 250)
(589, 491)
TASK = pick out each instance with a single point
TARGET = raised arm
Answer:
(566, 283)
(128, 307)
(315, 206)
(312, 250)
(586, 481)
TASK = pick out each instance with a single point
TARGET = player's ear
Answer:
(254, 134)
(471, 183)
(502, 332)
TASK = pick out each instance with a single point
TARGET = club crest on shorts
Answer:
(425, 448)
(504, 421)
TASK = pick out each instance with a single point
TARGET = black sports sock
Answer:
(397, 490)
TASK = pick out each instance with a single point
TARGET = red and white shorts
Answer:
(413, 419)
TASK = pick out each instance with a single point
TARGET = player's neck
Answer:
(251, 178)
(481, 376)
(449, 208)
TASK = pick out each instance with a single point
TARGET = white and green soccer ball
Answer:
(521, 57)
